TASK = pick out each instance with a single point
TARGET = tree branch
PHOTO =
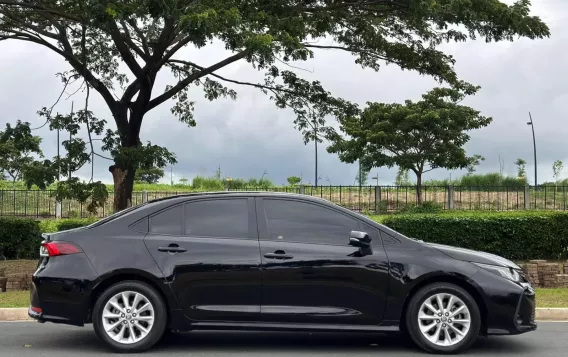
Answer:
(128, 38)
(120, 42)
(256, 85)
(346, 4)
(185, 82)
(39, 9)
(140, 35)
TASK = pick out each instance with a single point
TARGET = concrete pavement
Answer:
(27, 339)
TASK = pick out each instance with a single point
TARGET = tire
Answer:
(460, 336)
(144, 324)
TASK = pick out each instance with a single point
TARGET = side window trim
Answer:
(264, 231)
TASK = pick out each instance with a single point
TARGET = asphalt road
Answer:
(24, 339)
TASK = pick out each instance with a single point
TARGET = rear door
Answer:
(208, 251)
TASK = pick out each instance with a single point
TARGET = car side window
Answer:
(226, 218)
(167, 222)
(296, 221)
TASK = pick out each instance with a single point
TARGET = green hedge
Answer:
(58, 225)
(514, 235)
(20, 237)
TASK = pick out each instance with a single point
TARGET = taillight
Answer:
(53, 249)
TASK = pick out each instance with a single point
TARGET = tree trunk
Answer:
(419, 188)
(123, 179)
(123, 174)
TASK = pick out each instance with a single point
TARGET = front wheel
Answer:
(443, 318)
(130, 316)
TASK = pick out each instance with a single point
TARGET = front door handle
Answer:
(279, 254)
(172, 248)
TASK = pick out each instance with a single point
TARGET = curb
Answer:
(542, 314)
(14, 314)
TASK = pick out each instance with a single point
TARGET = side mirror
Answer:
(359, 239)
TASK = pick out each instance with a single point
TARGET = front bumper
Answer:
(510, 306)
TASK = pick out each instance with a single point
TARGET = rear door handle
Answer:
(279, 254)
(172, 248)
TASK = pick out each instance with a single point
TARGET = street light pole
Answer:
(534, 149)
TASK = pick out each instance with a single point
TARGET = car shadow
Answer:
(296, 343)
(291, 343)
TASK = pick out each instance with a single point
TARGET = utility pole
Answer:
(58, 157)
(376, 178)
(534, 150)
(171, 175)
(70, 138)
(316, 143)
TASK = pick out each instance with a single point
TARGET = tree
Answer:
(362, 177)
(294, 180)
(417, 136)
(521, 168)
(183, 181)
(402, 178)
(474, 162)
(557, 168)
(18, 148)
(151, 175)
(147, 36)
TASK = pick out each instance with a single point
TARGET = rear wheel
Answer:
(130, 316)
(443, 318)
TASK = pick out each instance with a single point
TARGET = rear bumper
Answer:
(62, 300)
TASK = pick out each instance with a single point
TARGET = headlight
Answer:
(507, 273)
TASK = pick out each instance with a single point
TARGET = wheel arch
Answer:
(462, 282)
(106, 281)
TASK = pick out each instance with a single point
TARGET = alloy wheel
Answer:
(444, 319)
(128, 317)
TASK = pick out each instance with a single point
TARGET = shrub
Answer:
(19, 238)
(513, 235)
(58, 225)
(425, 207)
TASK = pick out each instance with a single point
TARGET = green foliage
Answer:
(294, 180)
(149, 176)
(492, 179)
(17, 150)
(19, 238)
(95, 38)
(474, 161)
(557, 168)
(521, 168)
(58, 225)
(402, 178)
(362, 177)
(424, 207)
(207, 183)
(418, 136)
(514, 235)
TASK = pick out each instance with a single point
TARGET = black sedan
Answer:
(265, 261)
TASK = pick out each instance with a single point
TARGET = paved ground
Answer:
(24, 339)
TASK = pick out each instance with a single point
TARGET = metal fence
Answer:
(374, 199)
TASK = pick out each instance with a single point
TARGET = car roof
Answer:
(241, 194)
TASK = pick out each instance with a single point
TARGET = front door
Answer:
(310, 273)
(209, 253)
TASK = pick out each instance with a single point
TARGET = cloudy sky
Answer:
(248, 136)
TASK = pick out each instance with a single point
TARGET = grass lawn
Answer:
(545, 298)
(15, 299)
